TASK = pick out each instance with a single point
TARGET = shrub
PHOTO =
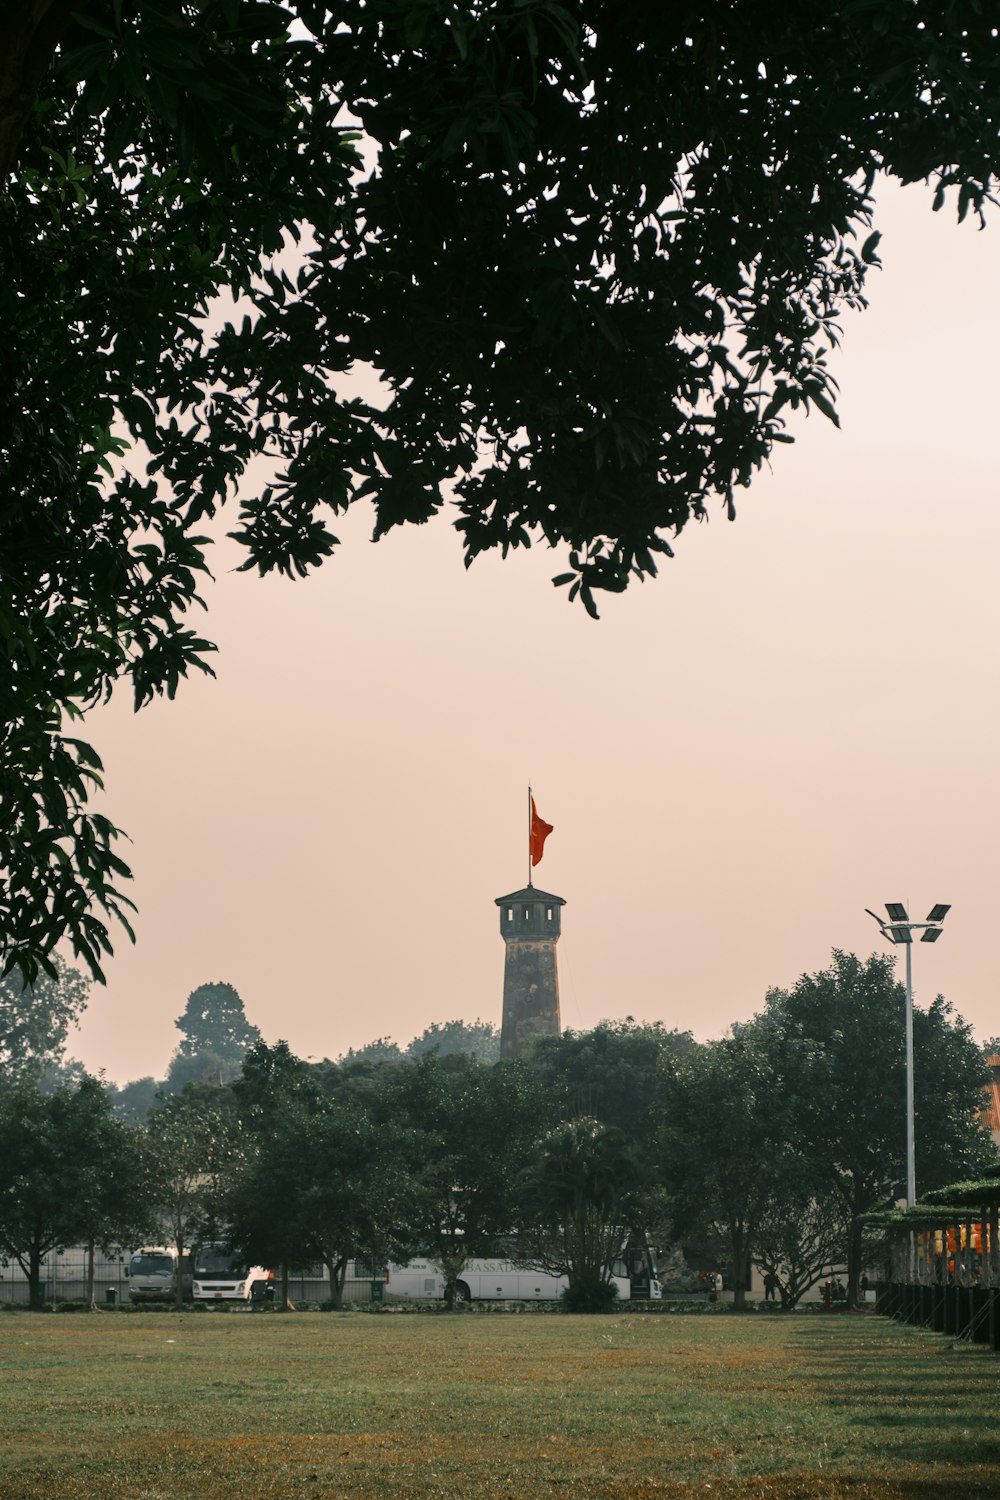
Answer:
(590, 1296)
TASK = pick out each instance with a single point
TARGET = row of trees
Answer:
(299, 1165)
(764, 1147)
(35, 1021)
(215, 1035)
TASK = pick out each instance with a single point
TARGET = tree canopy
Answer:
(69, 1172)
(215, 1035)
(188, 1149)
(318, 1176)
(849, 1114)
(469, 1186)
(35, 1019)
(583, 1194)
(612, 1073)
(728, 1138)
(477, 1039)
(779, 1138)
(595, 254)
(770, 1146)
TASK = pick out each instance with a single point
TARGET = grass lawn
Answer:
(203, 1406)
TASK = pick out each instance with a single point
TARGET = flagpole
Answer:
(529, 833)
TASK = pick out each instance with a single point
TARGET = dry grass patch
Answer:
(169, 1407)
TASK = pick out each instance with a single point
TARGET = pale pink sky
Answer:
(799, 719)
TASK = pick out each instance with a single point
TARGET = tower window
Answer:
(527, 913)
(510, 914)
(548, 914)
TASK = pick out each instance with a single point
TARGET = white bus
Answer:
(152, 1274)
(486, 1280)
(219, 1275)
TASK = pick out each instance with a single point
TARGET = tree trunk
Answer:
(854, 1268)
(337, 1267)
(29, 37)
(286, 1303)
(451, 1264)
(739, 1241)
(90, 1298)
(179, 1273)
(34, 1270)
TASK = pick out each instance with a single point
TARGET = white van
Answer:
(485, 1280)
(152, 1274)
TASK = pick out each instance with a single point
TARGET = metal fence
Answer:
(969, 1314)
(64, 1279)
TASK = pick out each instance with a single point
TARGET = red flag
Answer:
(540, 831)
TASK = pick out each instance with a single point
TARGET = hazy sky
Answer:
(800, 718)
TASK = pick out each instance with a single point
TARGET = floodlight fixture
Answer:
(898, 928)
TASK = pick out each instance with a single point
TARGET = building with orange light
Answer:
(991, 1109)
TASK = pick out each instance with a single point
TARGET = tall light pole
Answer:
(898, 928)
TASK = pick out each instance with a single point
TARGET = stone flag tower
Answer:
(529, 925)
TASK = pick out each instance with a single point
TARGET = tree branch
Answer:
(29, 36)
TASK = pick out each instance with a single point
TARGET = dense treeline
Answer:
(215, 1036)
(764, 1147)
